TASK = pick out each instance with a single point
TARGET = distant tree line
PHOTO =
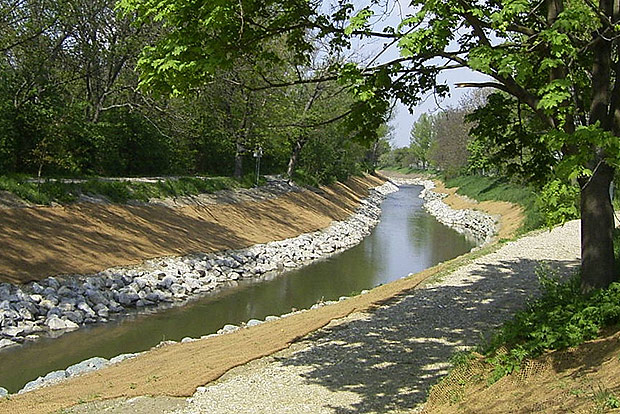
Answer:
(486, 133)
(438, 141)
(70, 104)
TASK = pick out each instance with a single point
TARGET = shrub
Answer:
(562, 317)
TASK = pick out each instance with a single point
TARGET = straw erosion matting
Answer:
(85, 238)
(178, 369)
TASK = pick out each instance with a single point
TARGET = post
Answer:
(258, 153)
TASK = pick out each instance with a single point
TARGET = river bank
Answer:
(57, 304)
(480, 226)
(249, 324)
(85, 238)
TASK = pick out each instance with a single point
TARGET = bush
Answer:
(558, 202)
(57, 191)
(562, 317)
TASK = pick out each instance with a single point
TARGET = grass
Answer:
(491, 188)
(408, 170)
(562, 317)
(53, 191)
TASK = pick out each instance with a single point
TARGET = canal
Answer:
(407, 240)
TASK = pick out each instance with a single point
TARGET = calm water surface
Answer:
(406, 240)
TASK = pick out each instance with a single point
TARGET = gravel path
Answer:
(385, 361)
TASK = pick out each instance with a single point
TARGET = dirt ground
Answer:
(85, 238)
(177, 370)
(511, 215)
(585, 379)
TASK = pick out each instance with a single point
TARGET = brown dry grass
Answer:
(84, 238)
(584, 379)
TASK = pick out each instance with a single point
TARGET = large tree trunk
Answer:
(597, 213)
(597, 227)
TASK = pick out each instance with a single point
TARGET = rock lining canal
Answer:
(407, 240)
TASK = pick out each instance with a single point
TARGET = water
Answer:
(407, 240)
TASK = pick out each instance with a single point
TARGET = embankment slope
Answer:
(85, 238)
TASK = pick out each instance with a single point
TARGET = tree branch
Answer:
(298, 125)
(495, 85)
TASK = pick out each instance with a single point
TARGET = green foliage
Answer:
(57, 191)
(422, 137)
(40, 193)
(605, 399)
(305, 179)
(398, 158)
(558, 202)
(461, 358)
(199, 38)
(617, 249)
(494, 188)
(506, 140)
(562, 317)
(448, 151)
(332, 158)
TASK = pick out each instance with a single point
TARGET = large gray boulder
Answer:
(54, 323)
(6, 343)
(88, 365)
(12, 331)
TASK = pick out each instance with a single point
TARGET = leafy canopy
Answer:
(541, 53)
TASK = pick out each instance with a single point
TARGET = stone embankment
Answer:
(57, 304)
(480, 226)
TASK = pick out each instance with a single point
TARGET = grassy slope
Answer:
(490, 188)
(50, 191)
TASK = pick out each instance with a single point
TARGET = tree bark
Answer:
(238, 173)
(597, 227)
(292, 161)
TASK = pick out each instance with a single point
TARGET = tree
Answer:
(507, 138)
(558, 57)
(448, 151)
(423, 136)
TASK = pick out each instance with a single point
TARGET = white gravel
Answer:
(385, 361)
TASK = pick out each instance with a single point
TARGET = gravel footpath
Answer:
(385, 361)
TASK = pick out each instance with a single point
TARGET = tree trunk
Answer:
(292, 161)
(238, 173)
(597, 227)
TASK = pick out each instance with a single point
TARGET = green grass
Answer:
(562, 317)
(117, 191)
(498, 189)
(407, 170)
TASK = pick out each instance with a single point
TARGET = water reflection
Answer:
(407, 240)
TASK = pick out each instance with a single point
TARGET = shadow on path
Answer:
(392, 356)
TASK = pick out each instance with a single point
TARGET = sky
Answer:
(403, 119)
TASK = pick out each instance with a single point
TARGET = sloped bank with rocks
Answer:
(71, 302)
(482, 227)
(57, 304)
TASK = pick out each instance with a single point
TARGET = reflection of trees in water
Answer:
(438, 242)
(340, 275)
